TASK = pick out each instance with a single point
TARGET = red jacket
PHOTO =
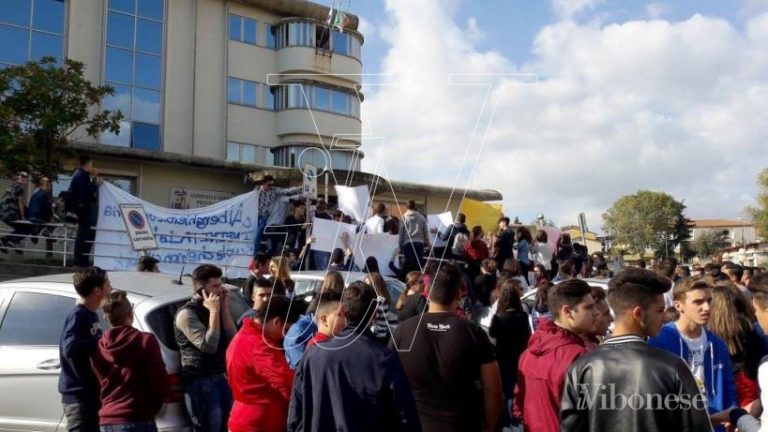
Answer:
(541, 375)
(260, 380)
(132, 376)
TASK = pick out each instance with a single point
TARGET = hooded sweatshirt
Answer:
(131, 373)
(541, 375)
(718, 370)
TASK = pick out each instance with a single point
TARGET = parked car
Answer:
(32, 314)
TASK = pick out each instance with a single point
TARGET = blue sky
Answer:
(631, 95)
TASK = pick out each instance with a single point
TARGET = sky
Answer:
(564, 106)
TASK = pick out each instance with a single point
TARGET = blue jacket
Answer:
(352, 383)
(718, 370)
(296, 339)
(79, 340)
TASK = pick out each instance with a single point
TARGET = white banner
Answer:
(353, 201)
(328, 233)
(380, 246)
(441, 222)
(221, 234)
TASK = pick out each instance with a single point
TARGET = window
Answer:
(133, 65)
(244, 92)
(320, 98)
(270, 34)
(298, 155)
(299, 33)
(243, 29)
(249, 153)
(30, 30)
(35, 319)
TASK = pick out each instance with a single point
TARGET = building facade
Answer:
(735, 232)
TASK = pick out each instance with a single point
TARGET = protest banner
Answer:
(480, 213)
(221, 234)
(328, 233)
(354, 201)
(440, 222)
(379, 246)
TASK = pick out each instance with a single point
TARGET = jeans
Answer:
(321, 259)
(208, 401)
(82, 416)
(273, 239)
(131, 427)
(414, 257)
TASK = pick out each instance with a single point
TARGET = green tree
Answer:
(44, 105)
(759, 213)
(647, 219)
(708, 243)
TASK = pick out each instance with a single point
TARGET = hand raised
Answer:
(212, 302)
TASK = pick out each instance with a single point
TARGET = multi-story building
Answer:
(735, 232)
(211, 90)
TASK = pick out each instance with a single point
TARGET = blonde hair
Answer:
(333, 281)
(282, 268)
(411, 279)
(376, 280)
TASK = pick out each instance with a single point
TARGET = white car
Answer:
(32, 314)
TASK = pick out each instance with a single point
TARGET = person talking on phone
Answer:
(203, 329)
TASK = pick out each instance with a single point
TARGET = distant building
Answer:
(590, 240)
(736, 232)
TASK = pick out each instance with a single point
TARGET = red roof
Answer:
(720, 223)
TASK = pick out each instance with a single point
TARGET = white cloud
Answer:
(657, 10)
(567, 9)
(366, 28)
(677, 107)
(474, 32)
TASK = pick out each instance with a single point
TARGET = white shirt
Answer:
(543, 254)
(374, 225)
(695, 360)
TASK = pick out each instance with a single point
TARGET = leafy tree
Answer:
(708, 243)
(44, 105)
(759, 214)
(642, 220)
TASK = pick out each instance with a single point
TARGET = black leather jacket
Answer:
(625, 385)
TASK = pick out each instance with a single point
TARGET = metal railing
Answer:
(62, 234)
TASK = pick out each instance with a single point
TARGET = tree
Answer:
(708, 243)
(759, 214)
(43, 105)
(646, 220)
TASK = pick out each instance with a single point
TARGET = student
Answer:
(327, 318)
(148, 264)
(412, 301)
(257, 372)
(78, 385)
(262, 292)
(624, 367)
(130, 369)
(552, 349)
(706, 354)
(603, 320)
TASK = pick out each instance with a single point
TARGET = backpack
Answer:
(459, 242)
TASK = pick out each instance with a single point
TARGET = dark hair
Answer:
(666, 267)
(84, 159)
(377, 281)
(147, 263)
(598, 293)
(117, 309)
(380, 208)
(477, 231)
(508, 298)
(445, 286)
(278, 307)
(542, 296)
(565, 238)
(541, 236)
(326, 298)
(411, 205)
(359, 301)
(461, 218)
(641, 264)
(489, 265)
(504, 219)
(570, 293)
(392, 225)
(371, 265)
(261, 258)
(758, 286)
(277, 286)
(266, 178)
(566, 267)
(298, 203)
(525, 234)
(633, 287)
(735, 269)
(88, 280)
(203, 273)
(337, 256)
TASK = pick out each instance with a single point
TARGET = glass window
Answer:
(322, 99)
(145, 136)
(341, 43)
(323, 37)
(233, 151)
(235, 25)
(35, 319)
(16, 12)
(269, 32)
(249, 93)
(49, 16)
(269, 97)
(249, 31)
(123, 5)
(120, 29)
(14, 42)
(120, 140)
(340, 102)
(121, 100)
(247, 153)
(119, 65)
(44, 44)
(146, 105)
(148, 70)
(150, 9)
(233, 90)
(149, 36)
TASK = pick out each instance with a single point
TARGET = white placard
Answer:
(328, 233)
(309, 187)
(441, 222)
(379, 246)
(139, 230)
(221, 234)
(353, 201)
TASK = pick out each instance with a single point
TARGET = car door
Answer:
(30, 328)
